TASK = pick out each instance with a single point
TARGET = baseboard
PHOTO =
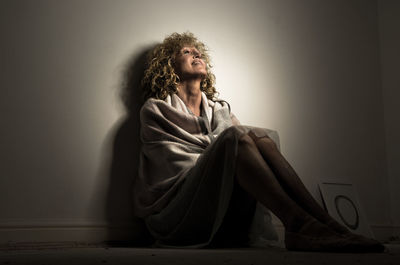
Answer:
(77, 231)
(92, 232)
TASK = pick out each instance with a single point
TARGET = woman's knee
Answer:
(269, 144)
(265, 140)
(232, 134)
(246, 148)
(235, 130)
(239, 135)
(246, 141)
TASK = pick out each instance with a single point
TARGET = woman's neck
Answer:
(190, 93)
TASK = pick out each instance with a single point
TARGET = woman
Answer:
(201, 173)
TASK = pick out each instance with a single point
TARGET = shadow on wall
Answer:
(123, 226)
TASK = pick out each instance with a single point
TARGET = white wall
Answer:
(308, 69)
(389, 18)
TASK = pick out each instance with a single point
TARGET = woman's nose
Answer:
(196, 55)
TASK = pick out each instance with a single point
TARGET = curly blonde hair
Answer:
(160, 78)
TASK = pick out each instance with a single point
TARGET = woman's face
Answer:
(189, 63)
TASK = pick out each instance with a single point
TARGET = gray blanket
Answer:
(172, 140)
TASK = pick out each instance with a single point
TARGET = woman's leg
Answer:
(255, 176)
(302, 231)
(291, 183)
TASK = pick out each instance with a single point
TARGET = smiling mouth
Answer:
(196, 62)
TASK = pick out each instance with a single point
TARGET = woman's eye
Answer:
(186, 51)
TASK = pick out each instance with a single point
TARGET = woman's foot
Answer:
(356, 237)
(315, 236)
(298, 242)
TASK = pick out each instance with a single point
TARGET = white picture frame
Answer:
(341, 202)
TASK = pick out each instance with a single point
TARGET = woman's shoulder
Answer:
(151, 109)
(170, 106)
(152, 103)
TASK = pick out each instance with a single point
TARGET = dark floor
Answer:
(82, 255)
